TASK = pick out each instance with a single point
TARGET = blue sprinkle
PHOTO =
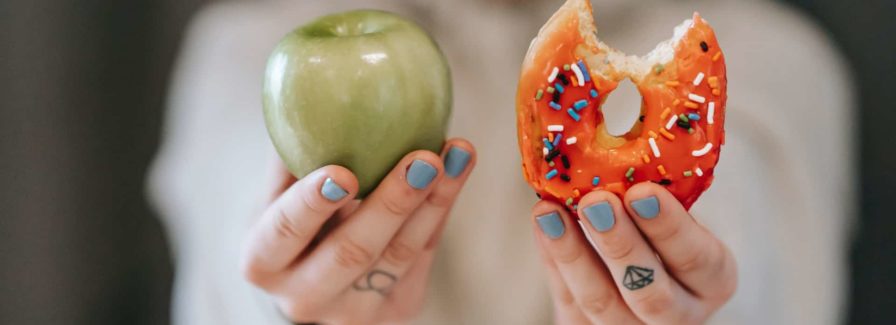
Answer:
(593, 93)
(559, 87)
(551, 174)
(557, 139)
(693, 117)
(595, 181)
(584, 70)
(573, 114)
(580, 104)
(554, 105)
(547, 144)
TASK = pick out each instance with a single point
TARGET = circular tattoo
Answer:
(378, 281)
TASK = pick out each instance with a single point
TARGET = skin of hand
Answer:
(638, 260)
(328, 258)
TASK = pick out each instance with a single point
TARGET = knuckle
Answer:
(656, 302)
(298, 311)
(440, 199)
(569, 255)
(565, 298)
(596, 303)
(693, 260)
(618, 247)
(398, 205)
(399, 252)
(351, 255)
(664, 232)
(287, 227)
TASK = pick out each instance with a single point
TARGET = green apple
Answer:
(358, 89)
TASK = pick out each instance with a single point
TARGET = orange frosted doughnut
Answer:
(568, 74)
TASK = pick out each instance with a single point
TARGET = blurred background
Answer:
(82, 89)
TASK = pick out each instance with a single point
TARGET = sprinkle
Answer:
(698, 79)
(694, 116)
(565, 177)
(593, 93)
(661, 169)
(697, 98)
(665, 181)
(555, 97)
(566, 67)
(675, 102)
(574, 83)
(645, 158)
(580, 104)
(717, 56)
(683, 118)
(704, 47)
(652, 134)
(565, 161)
(687, 173)
(630, 172)
(672, 83)
(713, 82)
(569, 201)
(666, 112)
(683, 124)
(710, 112)
(579, 76)
(702, 151)
(717, 92)
(544, 151)
(557, 139)
(584, 70)
(573, 114)
(595, 181)
(671, 122)
(690, 130)
(554, 105)
(654, 147)
(559, 87)
(555, 128)
(698, 171)
(641, 118)
(551, 163)
(550, 90)
(553, 74)
(563, 79)
(690, 105)
(551, 174)
(571, 140)
(553, 154)
(659, 68)
(547, 144)
(666, 134)
(576, 193)
(551, 137)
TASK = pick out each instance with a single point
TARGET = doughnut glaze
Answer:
(566, 77)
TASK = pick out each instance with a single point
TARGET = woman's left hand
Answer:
(650, 262)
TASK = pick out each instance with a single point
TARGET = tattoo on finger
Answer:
(376, 280)
(637, 277)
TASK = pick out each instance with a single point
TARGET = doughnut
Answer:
(567, 75)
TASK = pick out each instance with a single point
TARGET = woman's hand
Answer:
(328, 258)
(650, 262)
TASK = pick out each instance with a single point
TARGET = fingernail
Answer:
(551, 225)
(332, 191)
(647, 208)
(600, 216)
(456, 161)
(420, 174)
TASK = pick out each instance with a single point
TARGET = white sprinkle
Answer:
(555, 128)
(553, 74)
(544, 151)
(702, 151)
(696, 98)
(698, 79)
(698, 171)
(671, 122)
(578, 72)
(653, 147)
(712, 110)
(571, 140)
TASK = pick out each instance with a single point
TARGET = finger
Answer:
(355, 244)
(643, 282)
(588, 280)
(566, 311)
(292, 220)
(698, 259)
(458, 157)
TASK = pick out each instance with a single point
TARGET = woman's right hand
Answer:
(328, 259)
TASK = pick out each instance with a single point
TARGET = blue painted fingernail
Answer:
(332, 191)
(600, 216)
(420, 174)
(647, 208)
(551, 225)
(456, 161)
